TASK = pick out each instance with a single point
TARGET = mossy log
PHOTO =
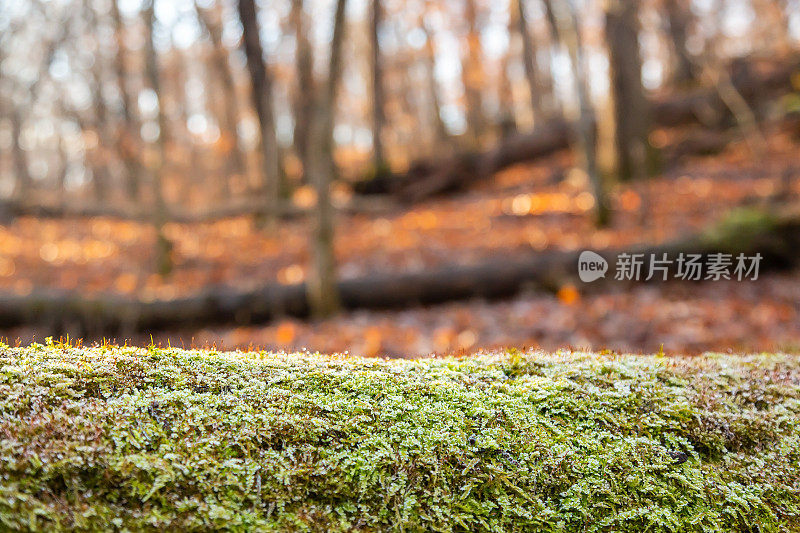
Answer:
(150, 439)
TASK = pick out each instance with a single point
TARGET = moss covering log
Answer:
(148, 439)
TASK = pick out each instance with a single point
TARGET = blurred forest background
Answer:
(392, 177)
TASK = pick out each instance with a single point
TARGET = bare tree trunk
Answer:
(530, 62)
(23, 186)
(679, 17)
(100, 153)
(508, 120)
(163, 245)
(93, 158)
(63, 165)
(553, 105)
(303, 101)
(211, 19)
(472, 75)
(23, 176)
(378, 94)
(219, 180)
(262, 101)
(631, 108)
(179, 68)
(440, 130)
(564, 23)
(323, 295)
(128, 137)
(99, 156)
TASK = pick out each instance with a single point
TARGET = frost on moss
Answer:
(137, 439)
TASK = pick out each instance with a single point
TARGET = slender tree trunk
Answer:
(211, 19)
(508, 120)
(564, 24)
(440, 130)
(191, 176)
(553, 105)
(303, 101)
(472, 75)
(24, 183)
(378, 95)
(531, 64)
(322, 292)
(128, 137)
(100, 155)
(220, 182)
(63, 165)
(163, 245)
(92, 157)
(631, 109)
(679, 18)
(262, 101)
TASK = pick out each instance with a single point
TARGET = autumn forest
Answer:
(397, 178)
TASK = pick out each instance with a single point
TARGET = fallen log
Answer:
(10, 209)
(777, 239)
(428, 177)
(698, 141)
(754, 79)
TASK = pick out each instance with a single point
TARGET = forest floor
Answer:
(542, 206)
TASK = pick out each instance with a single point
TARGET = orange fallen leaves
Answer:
(291, 275)
(373, 341)
(568, 295)
(125, 283)
(285, 333)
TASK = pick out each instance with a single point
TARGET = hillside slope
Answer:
(122, 438)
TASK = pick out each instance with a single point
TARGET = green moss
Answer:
(741, 229)
(187, 440)
(378, 170)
